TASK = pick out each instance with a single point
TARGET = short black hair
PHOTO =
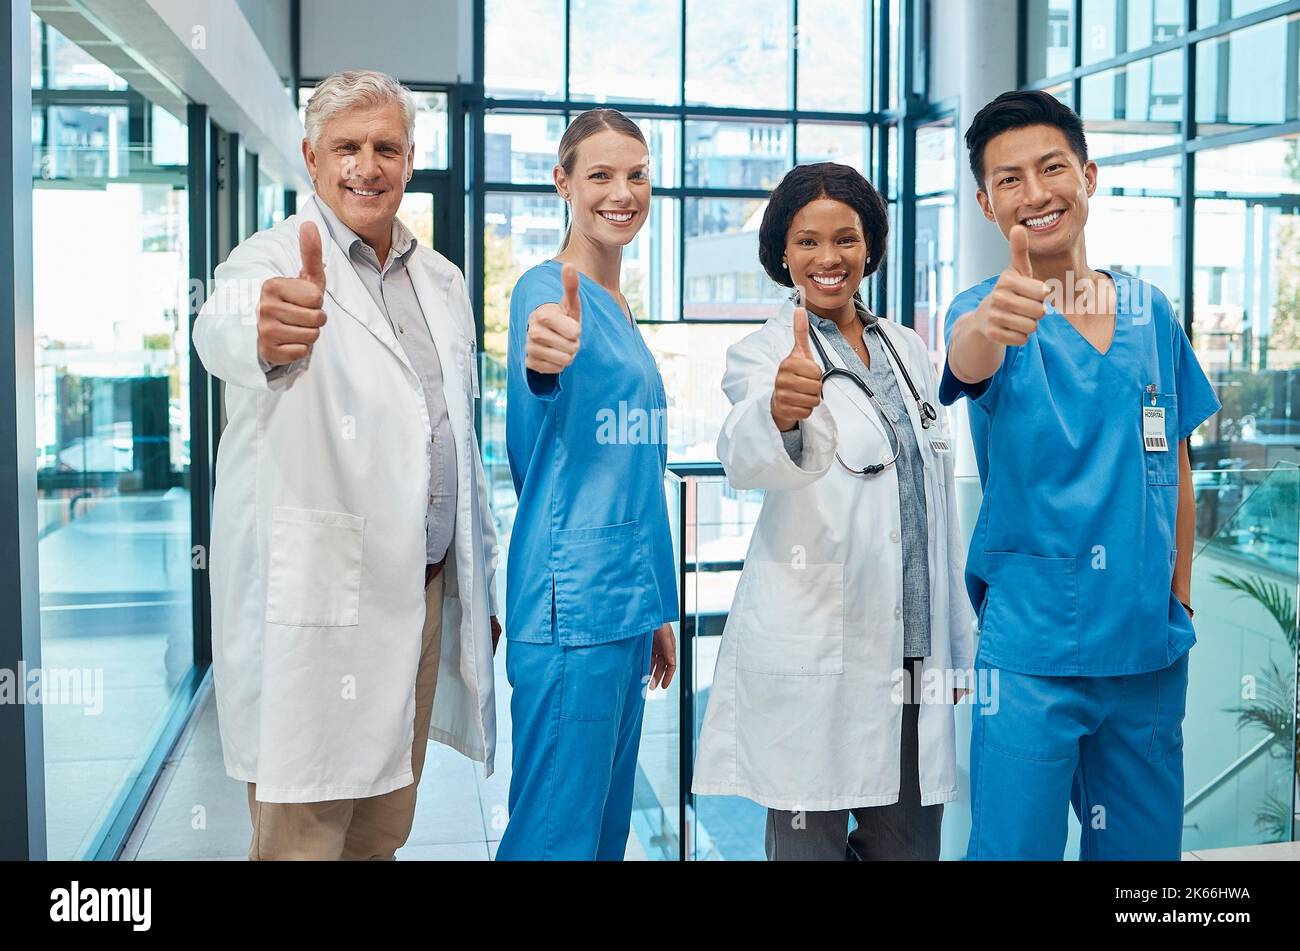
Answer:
(1019, 109)
(806, 183)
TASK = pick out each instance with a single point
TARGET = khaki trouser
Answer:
(370, 828)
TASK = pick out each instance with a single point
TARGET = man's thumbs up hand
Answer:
(289, 311)
(798, 387)
(313, 267)
(1011, 312)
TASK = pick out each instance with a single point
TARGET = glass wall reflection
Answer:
(110, 232)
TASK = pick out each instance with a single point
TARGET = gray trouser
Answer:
(902, 831)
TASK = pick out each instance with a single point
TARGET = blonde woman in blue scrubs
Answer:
(591, 582)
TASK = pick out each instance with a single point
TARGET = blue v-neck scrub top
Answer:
(1072, 557)
(591, 553)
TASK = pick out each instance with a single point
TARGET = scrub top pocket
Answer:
(603, 583)
(1162, 467)
(1031, 613)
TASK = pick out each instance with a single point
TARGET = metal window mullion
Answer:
(22, 769)
(199, 199)
(681, 177)
(1188, 180)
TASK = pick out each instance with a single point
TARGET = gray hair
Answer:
(356, 87)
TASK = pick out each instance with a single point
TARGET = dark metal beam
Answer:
(22, 765)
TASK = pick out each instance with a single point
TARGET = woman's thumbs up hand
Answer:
(798, 387)
(555, 330)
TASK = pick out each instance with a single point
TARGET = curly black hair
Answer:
(807, 183)
(1019, 109)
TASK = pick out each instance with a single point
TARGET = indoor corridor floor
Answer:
(198, 812)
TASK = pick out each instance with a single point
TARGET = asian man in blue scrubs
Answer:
(1083, 390)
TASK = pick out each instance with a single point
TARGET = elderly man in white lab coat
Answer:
(354, 615)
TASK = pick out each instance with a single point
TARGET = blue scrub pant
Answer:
(1111, 746)
(576, 713)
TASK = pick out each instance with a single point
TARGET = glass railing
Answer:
(1240, 729)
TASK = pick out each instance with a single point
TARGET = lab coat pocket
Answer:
(1162, 467)
(792, 619)
(602, 583)
(1031, 613)
(314, 573)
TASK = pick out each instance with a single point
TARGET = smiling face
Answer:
(826, 252)
(361, 166)
(609, 188)
(1033, 178)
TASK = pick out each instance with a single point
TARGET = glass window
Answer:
(416, 212)
(87, 142)
(891, 154)
(37, 61)
(895, 56)
(738, 53)
(1064, 92)
(1246, 285)
(692, 359)
(521, 148)
(834, 65)
(1049, 38)
(169, 140)
(112, 441)
(1248, 78)
(663, 137)
(1111, 27)
(523, 56)
(935, 270)
(1134, 107)
(936, 157)
(726, 154)
(71, 67)
(270, 202)
(1135, 222)
(519, 232)
(432, 145)
(610, 62)
(722, 277)
(650, 267)
(1210, 12)
(845, 143)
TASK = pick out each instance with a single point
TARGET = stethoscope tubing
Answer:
(925, 410)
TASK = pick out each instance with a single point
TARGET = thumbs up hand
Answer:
(1012, 311)
(289, 314)
(555, 330)
(798, 387)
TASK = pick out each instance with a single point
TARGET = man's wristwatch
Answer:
(1190, 612)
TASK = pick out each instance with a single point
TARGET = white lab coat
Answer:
(318, 534)
(803, 714)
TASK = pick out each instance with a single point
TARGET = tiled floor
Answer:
(198, 812)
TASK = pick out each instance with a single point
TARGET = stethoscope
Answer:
(924, 408)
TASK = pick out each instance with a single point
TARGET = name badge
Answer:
(1153, 429)
(939, 443)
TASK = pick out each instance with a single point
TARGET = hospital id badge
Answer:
(940, 443)
(1153, 429)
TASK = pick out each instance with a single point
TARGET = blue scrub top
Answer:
(1072, 558)
(591, 553)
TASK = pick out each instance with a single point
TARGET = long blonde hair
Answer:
(583, 127)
